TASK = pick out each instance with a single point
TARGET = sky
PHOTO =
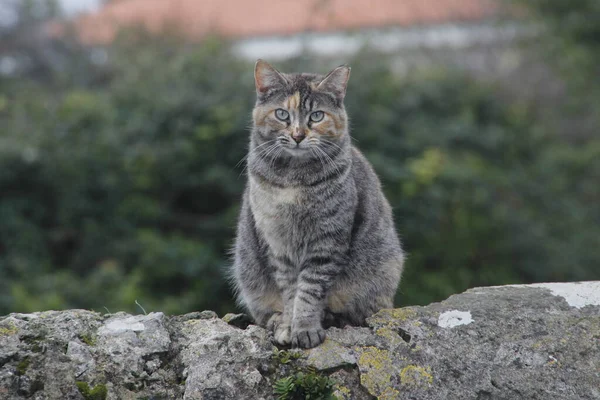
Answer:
(71, 7)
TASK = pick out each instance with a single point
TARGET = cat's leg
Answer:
(352, 301)
(355, 311)
(280, 324)
(262, 299)
(314, 281)
(285, 276)
(253, 275)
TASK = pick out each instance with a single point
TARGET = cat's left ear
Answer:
(267, 78)
(336, 81)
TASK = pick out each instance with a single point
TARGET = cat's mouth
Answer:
(297, 149)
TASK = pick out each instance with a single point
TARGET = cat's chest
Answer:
(281, 215)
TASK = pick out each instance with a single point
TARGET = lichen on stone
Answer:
(9, 329)
(394, 314)
(414, 375)
(375, 367)
(330, 354)
(342, 393)
(389, 334)
(389, 394)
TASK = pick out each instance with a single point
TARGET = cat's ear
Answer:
(267, 78)
(336, 81)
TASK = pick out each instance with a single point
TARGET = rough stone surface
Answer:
(513, 342)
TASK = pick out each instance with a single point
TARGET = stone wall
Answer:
(512, 342)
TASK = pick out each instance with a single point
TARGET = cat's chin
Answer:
(298, 151)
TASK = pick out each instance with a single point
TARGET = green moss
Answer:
(35, 340)
(414, 375)
(88, 339)
(23, 365)
(99, 392)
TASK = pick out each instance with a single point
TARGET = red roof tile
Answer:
(250, 18)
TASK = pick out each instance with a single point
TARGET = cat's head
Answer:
(302, 115)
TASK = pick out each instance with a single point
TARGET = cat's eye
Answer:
(317, 116)
(281, 114)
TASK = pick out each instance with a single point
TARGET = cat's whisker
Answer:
(324, 161)
(275, 157)
(330, 160)
(312, 149)
(270, 151)
(260, 154)
(331, 144)
(251, 150)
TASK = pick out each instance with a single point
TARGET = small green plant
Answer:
(285, 356)
(23, 365)
(305, 385)
(99, 392)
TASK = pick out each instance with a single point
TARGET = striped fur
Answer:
(316, 243)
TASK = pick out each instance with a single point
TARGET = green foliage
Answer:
(119, 181)
(99, 392)
(571, 43)
(305, 385)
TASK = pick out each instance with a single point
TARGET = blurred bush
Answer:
(120, 181)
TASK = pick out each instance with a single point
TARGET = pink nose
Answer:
(298, 135)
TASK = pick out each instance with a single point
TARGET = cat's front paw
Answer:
(308, 338)
(281, 330)
(283, 335)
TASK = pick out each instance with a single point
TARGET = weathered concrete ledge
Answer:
(512, 342)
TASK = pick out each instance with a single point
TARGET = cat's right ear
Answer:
(267, 78)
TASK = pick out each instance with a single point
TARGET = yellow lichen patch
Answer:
(375, 367)
(330, 354)
(389, 394)
(543, 343)
(394, 315)
(390, 335)
(413, 375)
(402, 314)
(342, 393)
(8, 329)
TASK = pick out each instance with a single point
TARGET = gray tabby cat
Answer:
(316, 244)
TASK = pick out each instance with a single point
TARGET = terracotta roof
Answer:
(251, 18)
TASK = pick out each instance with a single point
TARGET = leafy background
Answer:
(121, 181)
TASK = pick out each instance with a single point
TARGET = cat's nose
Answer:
(298, 138)
(298, 135)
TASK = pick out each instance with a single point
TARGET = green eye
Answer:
(317, 116)
(281, 114)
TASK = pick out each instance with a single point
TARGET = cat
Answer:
(316, 244)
